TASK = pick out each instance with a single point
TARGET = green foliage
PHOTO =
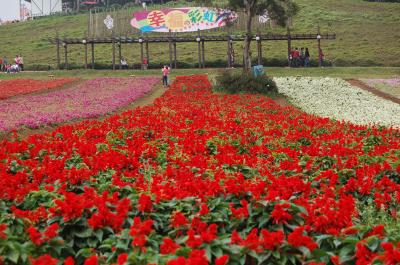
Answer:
(370, 216)
(245, 82)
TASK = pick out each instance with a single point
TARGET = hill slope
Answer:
(368, 34)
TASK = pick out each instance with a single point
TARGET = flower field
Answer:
(200, 178)
(335, 98)
(88, 99)
(10, 88)
(390, 86)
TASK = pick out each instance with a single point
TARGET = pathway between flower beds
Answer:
(379, 93)
(92, 98)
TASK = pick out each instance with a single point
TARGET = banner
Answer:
(184, 19)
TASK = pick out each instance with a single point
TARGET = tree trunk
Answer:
(77, 5)
(248, 38)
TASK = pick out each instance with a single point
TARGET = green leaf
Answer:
(183, 252)
(99, 234)
(13, 256)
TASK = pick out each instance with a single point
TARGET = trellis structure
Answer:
(172, 40)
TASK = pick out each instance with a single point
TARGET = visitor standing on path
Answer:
(307, 58)
(165, 73)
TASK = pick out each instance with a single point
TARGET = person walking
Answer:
(302, 57)
(165, 73)
(307, 58)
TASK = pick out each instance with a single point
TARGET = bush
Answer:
(245, 82)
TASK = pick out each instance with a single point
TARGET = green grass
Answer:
(342, 72)
(367, 32)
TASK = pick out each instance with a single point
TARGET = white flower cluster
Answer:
(337, 99)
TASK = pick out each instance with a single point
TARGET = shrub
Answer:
(245, 82)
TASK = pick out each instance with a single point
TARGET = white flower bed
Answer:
(335, 98)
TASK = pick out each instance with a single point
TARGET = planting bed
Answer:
(10, 88)
(337, 99)
(200, 178)
(88, 99)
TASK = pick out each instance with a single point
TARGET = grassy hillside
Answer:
(368, 34)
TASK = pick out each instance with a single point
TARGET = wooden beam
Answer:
(92, 44)
(141, 55)
(203, 54)
(259, 49)
(199, 47)
(289, 39)
(147, 52)
(229, 51)
(58, 52)
(66, 56)
(170, 49)
(113, 51)
(175, 64)
(86, 55)
(319, 48)
(120, 53)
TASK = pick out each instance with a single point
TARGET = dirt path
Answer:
(148, 99)
(282, 102)
(360, 84)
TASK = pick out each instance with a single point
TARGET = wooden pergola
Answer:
(172, 40)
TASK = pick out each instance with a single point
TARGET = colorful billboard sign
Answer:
(185, 19)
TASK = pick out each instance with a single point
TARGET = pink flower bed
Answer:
(389, 82)
(89, 99)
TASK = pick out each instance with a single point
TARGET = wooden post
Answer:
(289, 38)
(120, 53)
(229, 52)
(170, 49)
(92, 44)
(66, 56)
(147, 52)
(199, 47)
(319, 48)
(259, 49)
(175, 65)
(113, 50)
(141, 54)
(203, 54)
(58, 52)
(86, 53)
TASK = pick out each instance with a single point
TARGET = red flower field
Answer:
(10, 88)
(200, 178)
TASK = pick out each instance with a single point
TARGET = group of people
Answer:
(15, 67)
(299, 58)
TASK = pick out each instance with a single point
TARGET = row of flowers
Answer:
(14, 87)
(200, 178)
(335, 98)
(88, 99)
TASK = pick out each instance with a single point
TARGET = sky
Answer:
(9, 10)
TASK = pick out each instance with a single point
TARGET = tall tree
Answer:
(278, 10)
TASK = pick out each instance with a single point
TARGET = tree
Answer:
(278, 10)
